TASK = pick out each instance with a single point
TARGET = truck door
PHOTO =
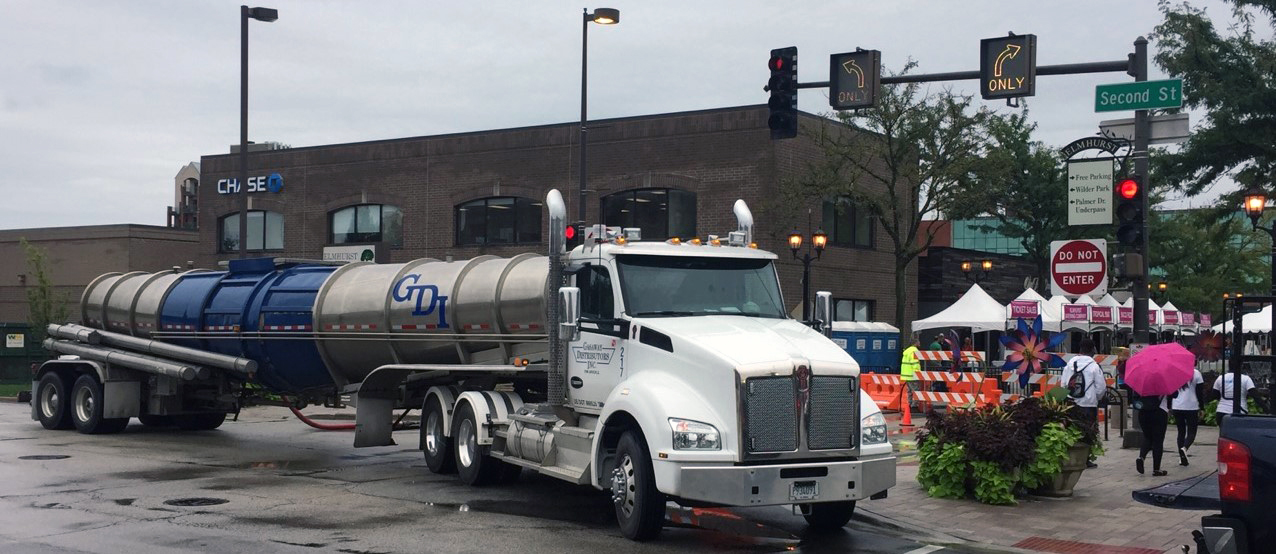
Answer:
(596, 361)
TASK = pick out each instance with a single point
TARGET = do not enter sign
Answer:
(1079, 267)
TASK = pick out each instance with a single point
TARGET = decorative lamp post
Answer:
(1255, 203)
(976, 272)
(601, 16)
(265, 15)
(819, 240)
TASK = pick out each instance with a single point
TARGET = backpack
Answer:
(1076, 383)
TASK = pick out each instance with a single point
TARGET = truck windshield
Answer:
(655, 286)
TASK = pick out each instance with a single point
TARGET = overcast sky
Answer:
(102, 102)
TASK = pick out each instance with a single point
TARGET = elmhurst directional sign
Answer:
(1145, 95)
(1008, 66)
(854, 79)
(1090, 192)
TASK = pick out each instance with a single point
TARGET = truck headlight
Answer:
(693, 435)
(873, 427)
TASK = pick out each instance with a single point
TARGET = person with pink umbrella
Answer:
(1153, 373)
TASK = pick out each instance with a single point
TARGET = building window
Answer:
(366, 223)
(660, 213)
(852, 310)
(504, 220)
(847, 224)
(265, 231)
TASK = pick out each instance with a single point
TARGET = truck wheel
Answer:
(51, 402)
(151, 420)
(830, 515)
(640, 506)
(86, 408)
(472, 462)
(437, 446)
(199, 422)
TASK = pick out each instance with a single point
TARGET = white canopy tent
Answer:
(1108, 300)
(1160, 318)
(1077, 325)
(1051, 315)
(975, 309)
(1257, 322)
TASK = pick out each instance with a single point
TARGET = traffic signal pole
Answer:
(1142, 131)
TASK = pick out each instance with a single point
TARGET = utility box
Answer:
(18, 351)
(875, 345)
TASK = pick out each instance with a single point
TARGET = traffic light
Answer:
(783, 87)
(1129, 211)
(573, 235)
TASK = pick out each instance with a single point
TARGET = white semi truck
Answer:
(656, 370)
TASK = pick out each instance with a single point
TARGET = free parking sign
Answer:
(1079, 267)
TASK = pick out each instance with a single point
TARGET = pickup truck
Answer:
(1246, 489)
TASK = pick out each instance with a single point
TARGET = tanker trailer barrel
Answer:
(76, 333)
(242, 366)
(130, 360)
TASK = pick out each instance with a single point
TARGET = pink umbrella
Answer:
(1159, 369)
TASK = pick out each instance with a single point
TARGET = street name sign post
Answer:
(1141, 95)
(1090, 192)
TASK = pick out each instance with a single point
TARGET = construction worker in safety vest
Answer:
(909, 364)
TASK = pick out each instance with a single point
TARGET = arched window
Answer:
(366, 223)
(660, 213)
(265, 231)
(498, 220)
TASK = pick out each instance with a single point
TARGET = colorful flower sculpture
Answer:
(1209, 346)
(1028, 352)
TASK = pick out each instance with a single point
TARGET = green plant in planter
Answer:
(994, 452)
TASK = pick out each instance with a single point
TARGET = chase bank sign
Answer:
(273, 183)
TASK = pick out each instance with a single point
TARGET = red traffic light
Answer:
(569, 232)
(776, 63)
(1128, 188)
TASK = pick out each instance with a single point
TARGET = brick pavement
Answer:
(1100, 512)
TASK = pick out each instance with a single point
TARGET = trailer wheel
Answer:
(640, 506)
(199, 422)
(52, 401)
(439, 455)
(152, 420)
(473, 464)
(830, 515)
(86, 408)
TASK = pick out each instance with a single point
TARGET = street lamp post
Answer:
(601, 16)
(976, 272)
(818, 241)
(1255, 203)
(260, 14)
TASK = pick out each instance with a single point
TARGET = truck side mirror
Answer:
(568, 312)
(824, 312)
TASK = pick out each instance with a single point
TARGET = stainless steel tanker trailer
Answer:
(656, 370)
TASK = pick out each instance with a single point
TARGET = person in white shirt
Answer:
(1225, 386)
(1095, 382)
(1185, 404)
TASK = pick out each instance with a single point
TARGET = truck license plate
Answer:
(804, 490)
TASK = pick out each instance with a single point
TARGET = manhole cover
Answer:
(197, 501)
(44, 457)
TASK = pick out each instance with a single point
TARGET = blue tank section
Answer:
(258, 311)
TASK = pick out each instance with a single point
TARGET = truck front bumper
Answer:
(763, 485)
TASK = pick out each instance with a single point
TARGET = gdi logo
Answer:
(403, 292)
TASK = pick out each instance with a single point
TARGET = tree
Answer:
(1021, 185)
(900, 161)
(1233, 77)
(46, 305)
(1200, 254)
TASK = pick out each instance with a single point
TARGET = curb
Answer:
(939, 538)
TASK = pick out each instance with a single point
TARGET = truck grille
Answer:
(772, 419)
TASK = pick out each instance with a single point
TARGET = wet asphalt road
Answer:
(284, 487)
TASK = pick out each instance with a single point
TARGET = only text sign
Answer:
(1079, 267)
(1146, 95)
(1090, 192)
(1008, 66)
(854, 79)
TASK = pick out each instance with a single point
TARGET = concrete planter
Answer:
(1069, 473)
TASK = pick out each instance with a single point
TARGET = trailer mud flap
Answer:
(374, 407)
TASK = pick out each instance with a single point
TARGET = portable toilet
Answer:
(850, 336)
(885, 346)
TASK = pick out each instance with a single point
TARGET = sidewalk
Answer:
(1100, 512)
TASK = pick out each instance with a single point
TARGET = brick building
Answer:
(467, 194)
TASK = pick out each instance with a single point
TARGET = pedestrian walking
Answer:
(1224, 387)
(1186, 406)
(1154, 420)
(1086, 384)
